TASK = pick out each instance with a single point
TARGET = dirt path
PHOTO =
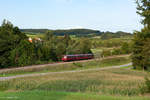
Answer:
(51, 64)
(41, 74)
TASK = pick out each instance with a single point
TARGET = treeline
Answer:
(34, 31)
(16, 50)
(81, 33)
(110, 35)
(126, 48)
(97, 43)
(77, 32)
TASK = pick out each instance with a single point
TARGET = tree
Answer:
(67, 39)
(125, 48)
(140, 38)
(60, 50)
(48, 52)
(84, 46)
(10, 38)
(146, 54)
(49, 36)
(143, 9)
(23, 54)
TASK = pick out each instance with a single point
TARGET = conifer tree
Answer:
(140, 38)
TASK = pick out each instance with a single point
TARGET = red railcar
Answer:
(77, 57)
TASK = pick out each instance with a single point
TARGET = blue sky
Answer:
(104, 15)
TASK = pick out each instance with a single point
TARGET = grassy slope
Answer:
(73, 66)
(108, 82)
(43, 95)
(119, 82)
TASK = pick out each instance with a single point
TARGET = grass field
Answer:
(72, 66)
(35, 35)
(108, 84)
(121, 82)
(45, 95)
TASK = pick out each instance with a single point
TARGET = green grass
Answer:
(35, 35)
(45, 95)
(68, 67)
(109, 82)
(122, 82)
(128, 67)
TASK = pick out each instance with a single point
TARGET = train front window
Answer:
(65, 57)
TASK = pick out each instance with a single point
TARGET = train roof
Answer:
(78, 55)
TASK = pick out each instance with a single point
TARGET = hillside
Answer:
(63, 32)
(119, 34)
(80, 32)
(34, 31)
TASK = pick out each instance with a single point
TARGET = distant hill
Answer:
(63, 32)
(80, 32)
(77, 32)
(119, 34)
(34, 31)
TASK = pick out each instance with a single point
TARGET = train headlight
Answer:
(65, 57)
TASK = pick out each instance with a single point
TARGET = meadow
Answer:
(46, 95)
(119, 82)
(107, 84)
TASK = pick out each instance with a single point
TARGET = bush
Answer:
(146, 87)
(147, 82)
(78, 64)
(106, 53)
(116, 51)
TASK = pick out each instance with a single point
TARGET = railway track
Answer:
(56, 63)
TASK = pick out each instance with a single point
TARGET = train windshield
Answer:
(65, 57)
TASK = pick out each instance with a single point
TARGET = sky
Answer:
(103, 15)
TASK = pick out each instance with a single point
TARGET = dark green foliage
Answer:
(143, 9)
(10, 37)
(140, 52)
(65, 45)
(34, 30)
(116, 51)
(110, 35)
(84, 47)
(106, 53)
(23, 54)
(145, 88)
(16, 50)
(77, 32)
(147, 82)
(126, 48)
(109, 43)
(140, 56)
(61, 50)
(49, 36)
(146, 54)
(78, 64)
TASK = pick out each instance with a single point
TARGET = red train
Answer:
(77, 57)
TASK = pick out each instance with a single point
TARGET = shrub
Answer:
(146, 87)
